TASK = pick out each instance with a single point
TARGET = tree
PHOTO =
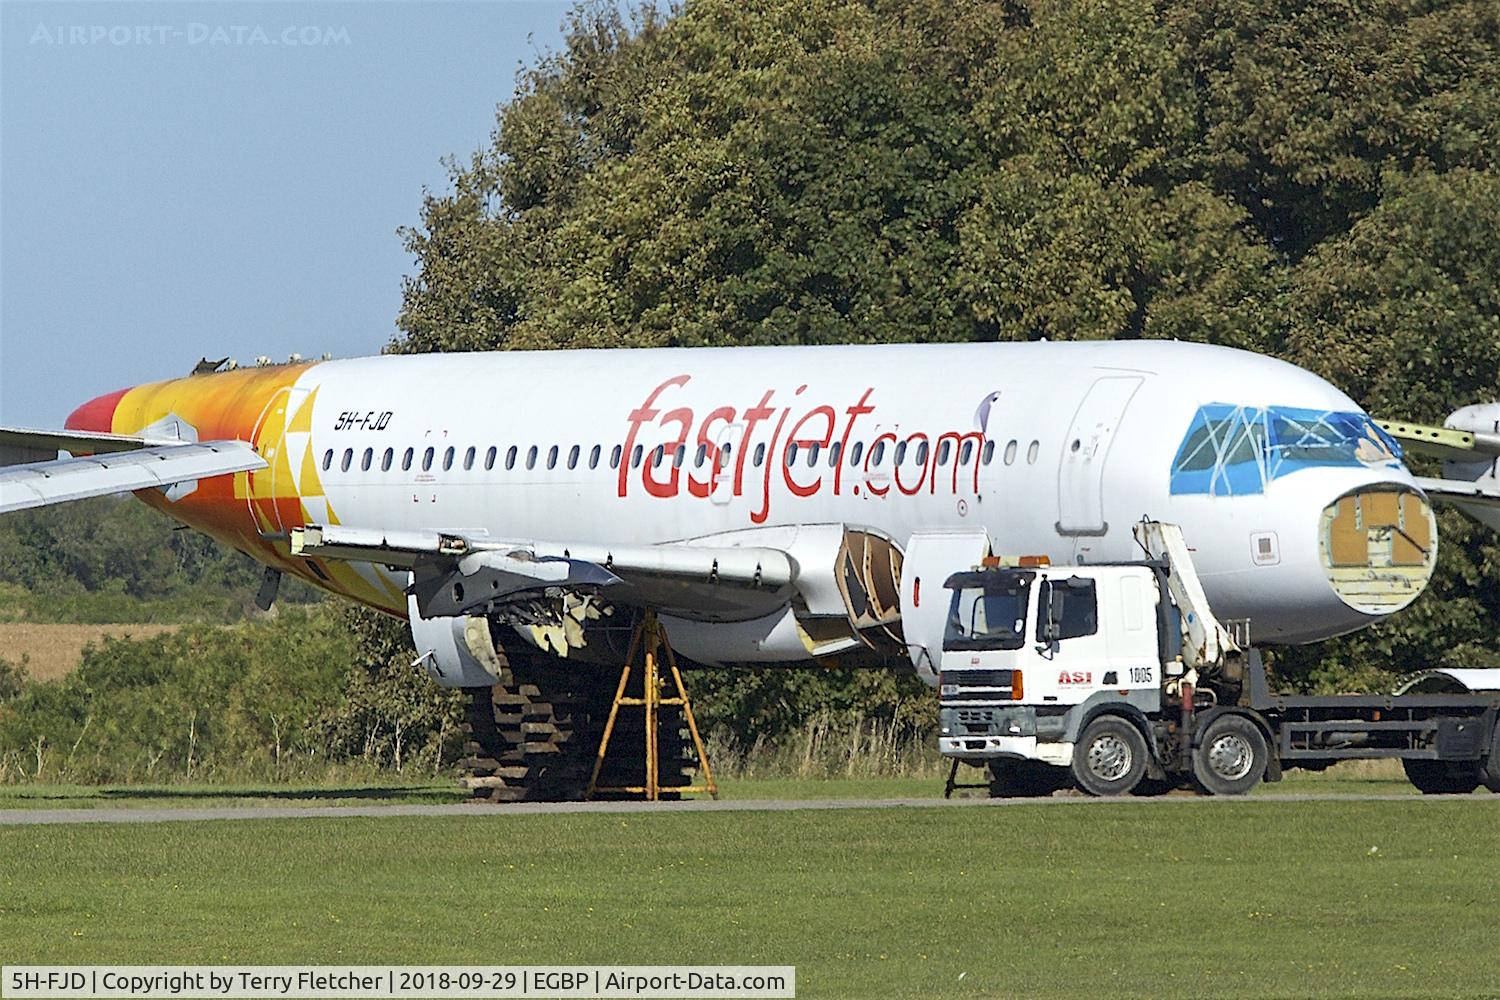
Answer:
(1314, 181)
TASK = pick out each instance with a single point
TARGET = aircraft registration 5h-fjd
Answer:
(773, 505)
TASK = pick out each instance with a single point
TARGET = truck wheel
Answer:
(1231, 758)
(1022, 779)
(1490, 773)
(1441, 777)
(1110, 757)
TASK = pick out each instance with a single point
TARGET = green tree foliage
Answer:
(115, 559)
(276, 698)
(388, 710)
(1317, 181)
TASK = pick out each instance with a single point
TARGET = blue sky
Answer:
(175, 183)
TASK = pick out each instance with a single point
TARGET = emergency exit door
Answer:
(1080, 472)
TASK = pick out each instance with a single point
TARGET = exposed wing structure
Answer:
(1451, 444)
(754, 595)
(454, 574)
(125, 469)
(1471, 459)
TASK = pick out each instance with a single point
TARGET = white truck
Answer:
(1118, 678)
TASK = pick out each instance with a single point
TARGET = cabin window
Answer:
(989, 452)
(348, 459)
(406, 458)
(366, 460)
(657, 454)
(573, 454)
(965, 453)
(489, 458)
(900, 453)
(427, 459)
(531, 457)
(448, 458)
(614, 456)
(791, 452)
(877, 453)
(922, 453)
(812, 454)
(855, 452)
(594, 457)
(1010, 453)
(386, 460)
(510, 458)
(552, 457)
(945, 452)
(760, 454)
(701, 457)
(1031, 453)
(724, 454)
(680, 456)
(834, 453)
(327, 459)
(469, 458)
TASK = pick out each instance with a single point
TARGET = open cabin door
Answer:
(1080, 472)
(932, 557)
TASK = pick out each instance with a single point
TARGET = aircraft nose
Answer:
(1378, 547)
(97, 415)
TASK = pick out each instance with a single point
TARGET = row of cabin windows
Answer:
(809, 454)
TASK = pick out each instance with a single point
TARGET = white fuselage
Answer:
(1054, 449)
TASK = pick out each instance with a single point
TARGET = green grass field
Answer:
(1190, 899)
(375, 788)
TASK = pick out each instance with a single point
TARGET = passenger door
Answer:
(1080, 472)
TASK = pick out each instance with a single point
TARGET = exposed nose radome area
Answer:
(1378, 547)
(97, 416)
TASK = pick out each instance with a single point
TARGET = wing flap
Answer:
(41, 484)
(729, 582)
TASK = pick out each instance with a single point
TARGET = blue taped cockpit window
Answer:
(1236, 450)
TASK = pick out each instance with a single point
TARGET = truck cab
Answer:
(1028, 650)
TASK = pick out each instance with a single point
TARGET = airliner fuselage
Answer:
(1302, 516)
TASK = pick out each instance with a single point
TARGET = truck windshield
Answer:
(988, 617)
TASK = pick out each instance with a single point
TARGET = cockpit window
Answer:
(1236, 450)
(989, 614)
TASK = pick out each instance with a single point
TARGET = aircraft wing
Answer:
(1461, 493)
(1471, 466)
(127, 465)
(458, 573)
(23, 445)
(1451, 444)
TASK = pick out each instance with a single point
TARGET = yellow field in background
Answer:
(53, 651)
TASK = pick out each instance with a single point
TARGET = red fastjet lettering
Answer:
(777, 423)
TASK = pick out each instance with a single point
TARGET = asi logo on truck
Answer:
(1075, 677)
